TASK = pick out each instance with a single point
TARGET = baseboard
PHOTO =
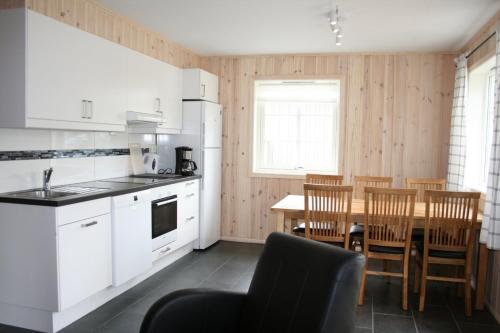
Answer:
(243, 240)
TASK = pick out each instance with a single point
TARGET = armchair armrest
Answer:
(194, 310)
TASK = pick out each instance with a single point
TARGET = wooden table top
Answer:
(294, 204)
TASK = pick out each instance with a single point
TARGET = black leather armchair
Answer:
(299, 286)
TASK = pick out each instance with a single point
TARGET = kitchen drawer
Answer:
(83, 210)
(165, 191)
(163, 251)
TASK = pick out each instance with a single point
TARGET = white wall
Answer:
(25, 174)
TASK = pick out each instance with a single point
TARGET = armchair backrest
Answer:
(302, 285)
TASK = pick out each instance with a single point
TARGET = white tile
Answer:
(21, 175)
(112, 166)
(24, 139)
(110, 140)
(72, 140)
(72, 170)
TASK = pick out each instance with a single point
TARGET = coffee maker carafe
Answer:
(184, 165)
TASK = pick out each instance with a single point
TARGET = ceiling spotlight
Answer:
(337, 41)
(336, 29)
(339, 33)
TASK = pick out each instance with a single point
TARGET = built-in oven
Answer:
(164, 221)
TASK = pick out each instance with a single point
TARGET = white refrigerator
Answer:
(202, 130)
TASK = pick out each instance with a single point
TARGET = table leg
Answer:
(482, 269)
(280, 222)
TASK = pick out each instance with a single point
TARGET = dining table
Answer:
(291, 208)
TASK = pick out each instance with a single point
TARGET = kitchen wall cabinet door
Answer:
(142, 83)
(170, 84)
(84, 256)
(200, 85)
(72, 75)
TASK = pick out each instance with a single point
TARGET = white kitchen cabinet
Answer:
(64, 256)
(189, 212)
(84, 256)
(154, 87)
(200, 85)
(72, 79)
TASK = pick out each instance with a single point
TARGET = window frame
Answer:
(342, 118)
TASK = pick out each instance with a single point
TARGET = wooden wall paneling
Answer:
(390, 100)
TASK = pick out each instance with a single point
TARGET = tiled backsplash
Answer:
(87, 158)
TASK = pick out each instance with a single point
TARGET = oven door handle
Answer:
(158, 204)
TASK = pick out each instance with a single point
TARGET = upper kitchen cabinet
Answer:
(53, 75)
(154, 87)
(200, 85)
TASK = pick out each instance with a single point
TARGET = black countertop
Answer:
(112, 186)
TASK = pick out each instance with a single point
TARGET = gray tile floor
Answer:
(231, 265)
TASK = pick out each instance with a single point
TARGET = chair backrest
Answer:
(301, 286)
(360, 182)
(314, 178)
(449, 220)
(388, 217)
(423, 184)
(328, 213)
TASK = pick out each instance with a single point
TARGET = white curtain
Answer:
(456, 158)
(490, 230)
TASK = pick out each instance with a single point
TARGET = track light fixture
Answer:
(334, 21)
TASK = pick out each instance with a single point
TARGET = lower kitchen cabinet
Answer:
(84, 253)
(54, 257)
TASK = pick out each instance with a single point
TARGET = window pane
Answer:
(296, 126)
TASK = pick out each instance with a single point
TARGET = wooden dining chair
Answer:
(315, 178)
(327, 211)
(448, 240)
(388, 221)
(360, 182)
(423, 184)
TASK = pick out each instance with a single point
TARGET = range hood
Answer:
(147, 123)
(140, 118)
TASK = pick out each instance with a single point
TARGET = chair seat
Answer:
(357, 231)
(301, 229)
(387, 249)
(441, 254)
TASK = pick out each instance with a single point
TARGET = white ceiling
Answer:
(223, 27)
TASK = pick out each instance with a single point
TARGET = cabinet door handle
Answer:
(203, 90)
(165, 250)
(86, 225)
(91, 104)
(84, 109)
(190, 218)
(189, 183)
(158, 105)
(190, 195)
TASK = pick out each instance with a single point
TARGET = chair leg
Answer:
(387, 268)
(423, 285)
(460, 287)
(405, 281)
(468, 292)
(416, 282)
(361, 298)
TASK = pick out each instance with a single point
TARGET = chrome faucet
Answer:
(46, 179)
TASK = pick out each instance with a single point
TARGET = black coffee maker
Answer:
(184, 165)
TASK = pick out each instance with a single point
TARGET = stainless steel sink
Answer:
(41, 194)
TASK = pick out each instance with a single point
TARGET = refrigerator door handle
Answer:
(203, 166)
(203, 135)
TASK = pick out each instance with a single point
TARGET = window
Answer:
(479, 129)
(296, 126)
